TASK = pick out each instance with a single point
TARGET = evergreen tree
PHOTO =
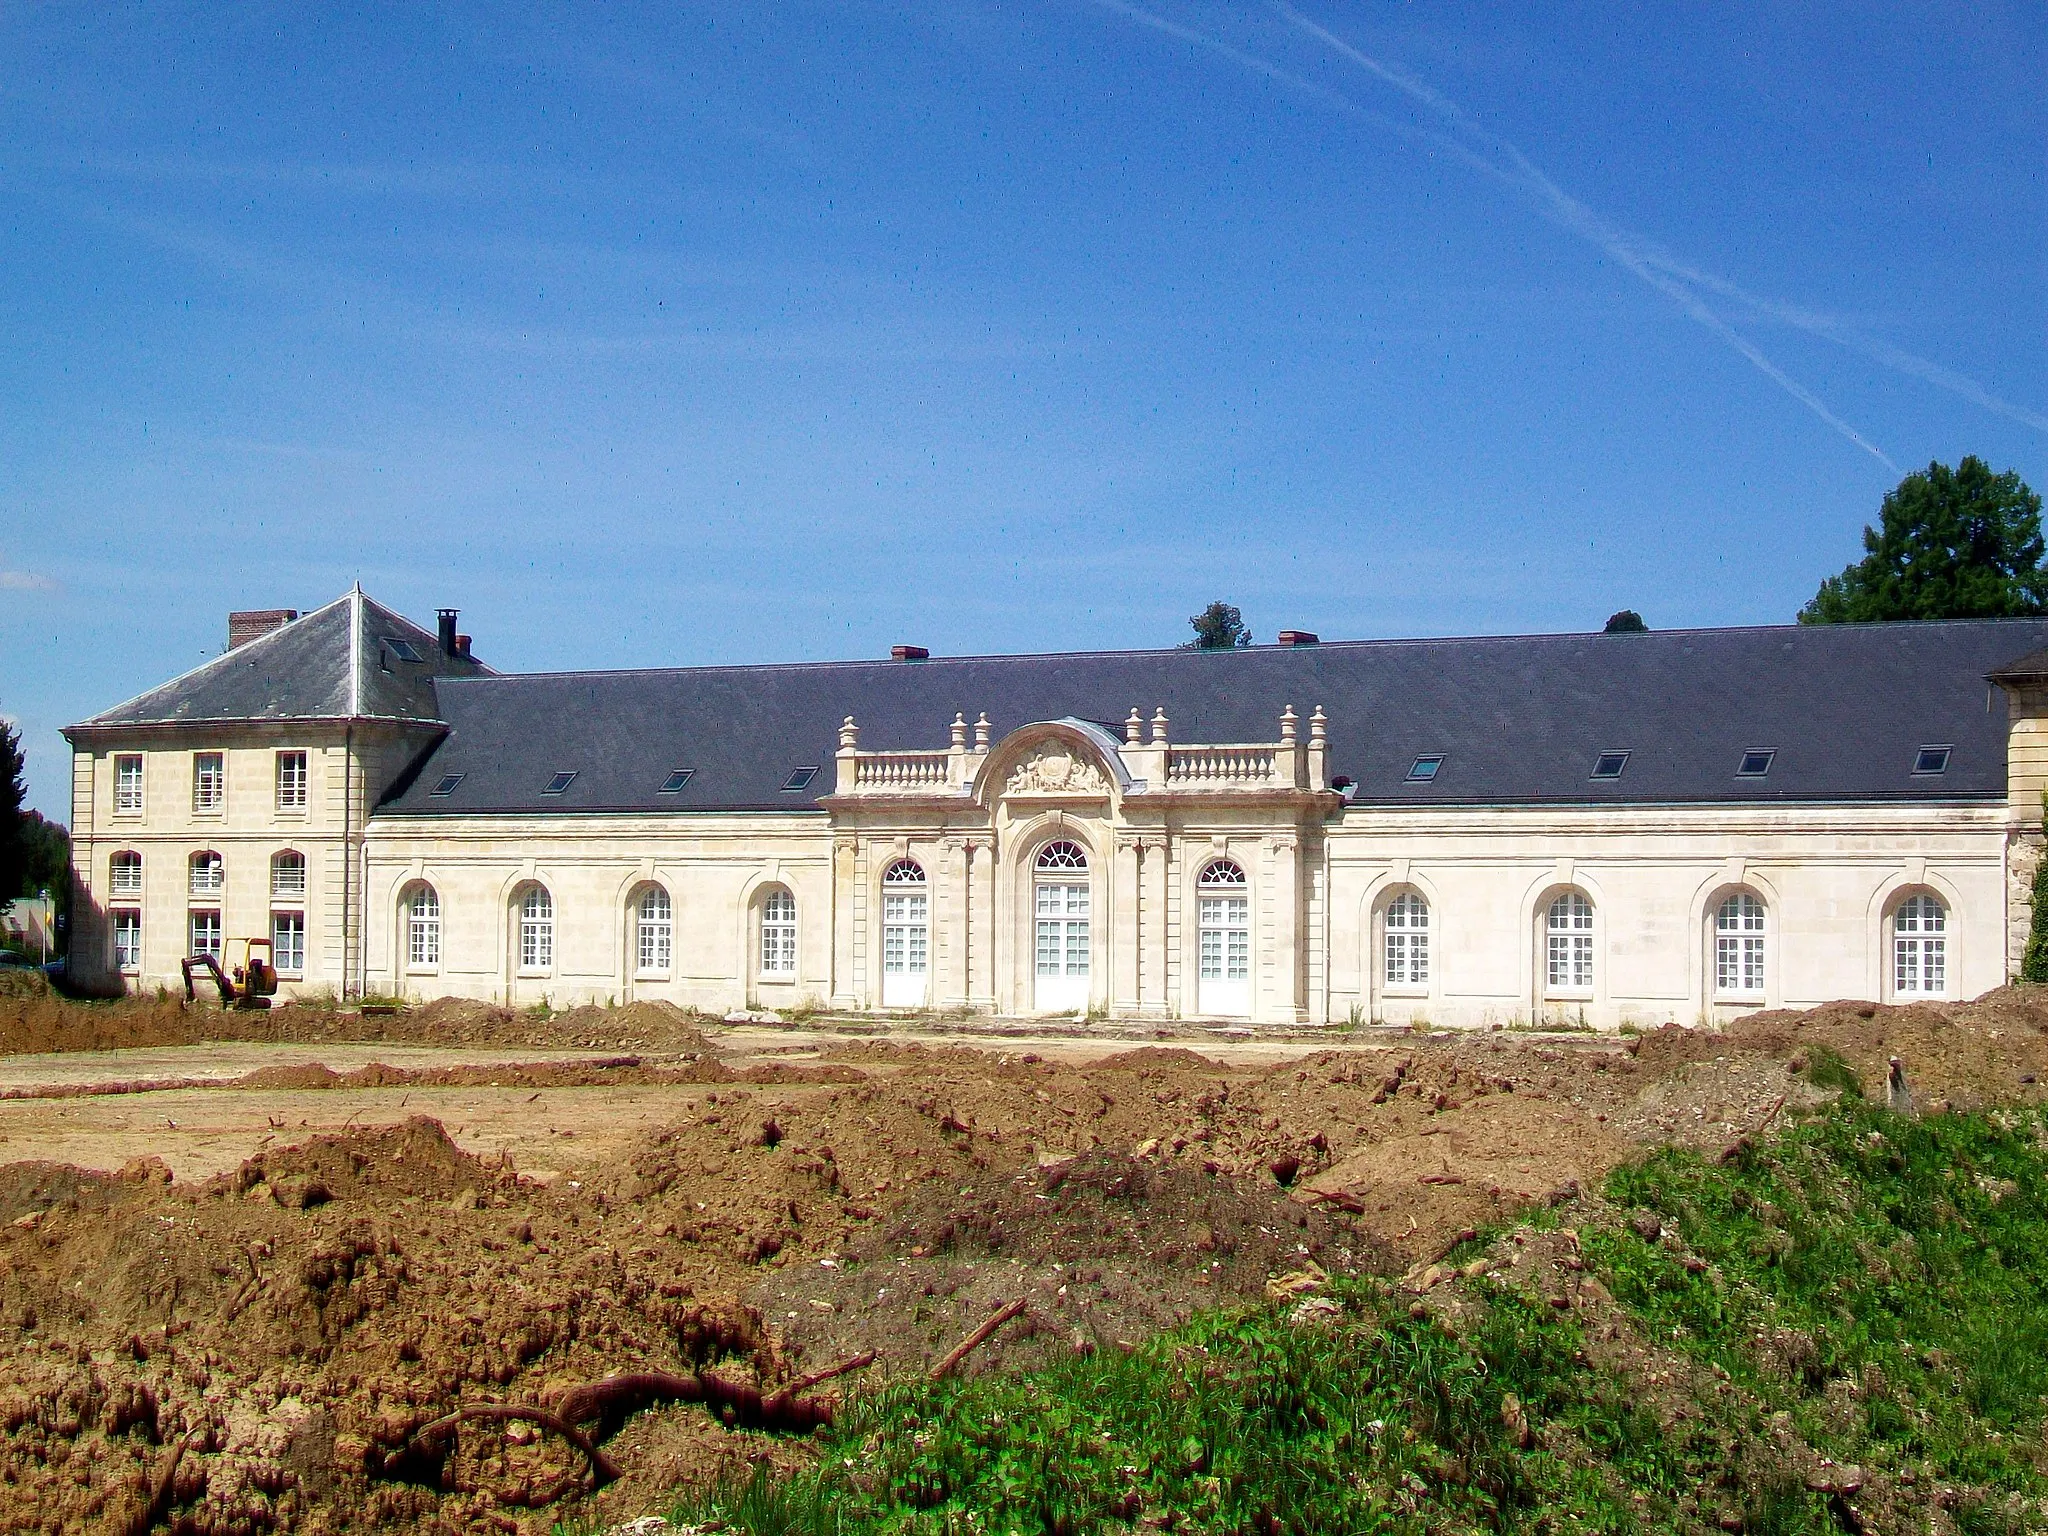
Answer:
(13, 848)
(1219, 627)
(1626, 622)
(1952, 544)
(2034, 963)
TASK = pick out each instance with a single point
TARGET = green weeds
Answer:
(1863, 1287)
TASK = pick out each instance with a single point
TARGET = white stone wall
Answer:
(715, 868)
(1829, 878)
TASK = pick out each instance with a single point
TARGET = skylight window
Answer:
(1424, 768)
(676, 780)
(447, 784)
(1932, 760)
(403, 650)
(1608, 765)
(801, 779)
(1756, 762)
(560, 782)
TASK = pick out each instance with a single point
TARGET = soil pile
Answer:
(270, 1349)
(34, 1019)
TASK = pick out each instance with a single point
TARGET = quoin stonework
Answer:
(1606, 829)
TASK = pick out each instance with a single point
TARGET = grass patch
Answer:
(1863, 1287)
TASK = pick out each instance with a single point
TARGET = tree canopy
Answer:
(1626, 622)
(13, 848)
(1960, 543)
(1220, 627)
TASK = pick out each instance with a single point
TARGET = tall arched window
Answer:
(656, 932)
(422, 928)
(208, 875)
(1224, 938)
(288, 875)
(124, 874)
(778, 933)
(1739, 947)
(1061, 939)
(1407, 941)
(536, 930)
(1568, 959)
(906, 935)
(1920, 947)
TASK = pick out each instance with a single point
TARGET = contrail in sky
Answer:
(1684, 285)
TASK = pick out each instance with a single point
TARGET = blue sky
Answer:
(670, 334)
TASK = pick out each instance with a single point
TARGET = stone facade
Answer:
(1064, 866)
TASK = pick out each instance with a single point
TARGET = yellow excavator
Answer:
(252, 985)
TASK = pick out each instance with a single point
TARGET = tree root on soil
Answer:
(976, 1339)
(615, 1399)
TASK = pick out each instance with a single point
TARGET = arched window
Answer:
(656, 932)
(1568, 957)
(906, 935)
(1920, 947)
(1407, 941)
(1062, 855)
(1739, 947)
(1061, 936)
(124, 874)
(536, 930)
(778, 933)
(208, 875)
(1225, 925)
(422, 928)
(288, 875)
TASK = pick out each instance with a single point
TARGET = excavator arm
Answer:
(212, 967)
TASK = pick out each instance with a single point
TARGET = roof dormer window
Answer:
(1756, 762)
(560, 782)
(800, 779)
(674, 782)
(1608, 765)
(1425, 768)
(1931, 760)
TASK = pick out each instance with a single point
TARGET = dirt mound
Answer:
(38, 1020)
(1156, 1058)
(294, 1323)
(1104, 1249)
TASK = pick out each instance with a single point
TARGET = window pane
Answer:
(128, 940)
(288, 942)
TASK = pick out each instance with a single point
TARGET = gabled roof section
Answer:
(1515, 720)
(337, 663)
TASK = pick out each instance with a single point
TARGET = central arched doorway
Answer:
(1060, 946)
(906, 936)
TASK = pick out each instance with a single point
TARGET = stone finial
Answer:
(1318, 726)
(1133, 728)
(981, 732)
(959, 733)
(1287, 725)
(1159, 726)
(849, 735)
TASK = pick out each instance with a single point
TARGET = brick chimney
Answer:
(1298, 637)
(909, 653)
(255, 623)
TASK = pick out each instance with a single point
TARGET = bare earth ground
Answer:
(237, 1278)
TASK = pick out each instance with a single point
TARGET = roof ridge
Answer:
(1650, 637)
(212, 661)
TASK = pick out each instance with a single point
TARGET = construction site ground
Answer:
(247, 1258)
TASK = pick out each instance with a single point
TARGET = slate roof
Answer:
(335, 663)
(1519, 719)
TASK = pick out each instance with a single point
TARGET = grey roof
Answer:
(336, 663)
(1519, 719)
